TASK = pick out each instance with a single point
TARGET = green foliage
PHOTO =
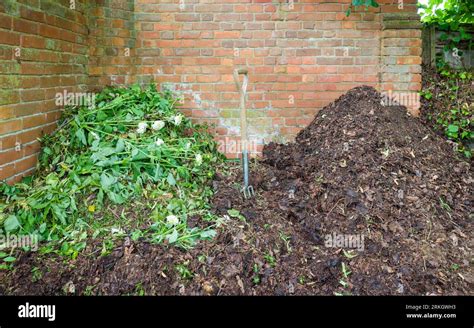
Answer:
(6, 260)
(458, 125)
(450, 106)
(131, 161)
(448, 12)
(256, 279)
(344, 281)
(270, 259)
(449, 96)
(451, 17)
(366, 3)
(183, 271)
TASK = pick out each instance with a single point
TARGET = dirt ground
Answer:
(360, 169)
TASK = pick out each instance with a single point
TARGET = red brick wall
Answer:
(49, 47)
(112, 43)
(301, 55)
(43, 51)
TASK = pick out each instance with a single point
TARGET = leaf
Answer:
(106, 180)
(171, 180)
(453, 128)
(374, 3)
(233, 213)
(101, 116)
(9, 259)
(81, 136)
(115, 198)
(120, 145)
(11, 223)
(59, 213)
(208, 234)
(173, 237)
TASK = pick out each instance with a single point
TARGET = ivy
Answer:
(450, 17)
(366, 3)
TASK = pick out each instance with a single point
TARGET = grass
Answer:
(344, 281)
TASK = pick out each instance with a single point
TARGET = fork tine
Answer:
(248, 192)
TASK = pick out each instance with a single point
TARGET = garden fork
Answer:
(246, 190)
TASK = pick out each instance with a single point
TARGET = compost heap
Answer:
(360, 168)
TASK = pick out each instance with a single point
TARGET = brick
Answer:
(28, 68)
(10, 126)
(26, 163)
(24, 26)
(32, 95)
(5, 22)
(33, 121)
(32, 15)
(9, 37)
(7, 171)
(29, 41)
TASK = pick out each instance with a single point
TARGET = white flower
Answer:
(172, 220)
(159, 142)
(177, 119)
(142, 126)
(158, 125)
(116, 230)
(95, 135)
(198, 159)
(187, 146)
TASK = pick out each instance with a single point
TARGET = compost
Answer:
(360, 172)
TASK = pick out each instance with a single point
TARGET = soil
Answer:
(359, 169)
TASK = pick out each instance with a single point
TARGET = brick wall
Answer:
(112, 42)
(49, 47)
(301, 55)
(43, 51)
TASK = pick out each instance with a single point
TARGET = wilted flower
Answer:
(158, 125)
(95, 135)
(198, 159)
(172, 219)
(142, 126)
(177, 119)
(115, 230)
(159, 142)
